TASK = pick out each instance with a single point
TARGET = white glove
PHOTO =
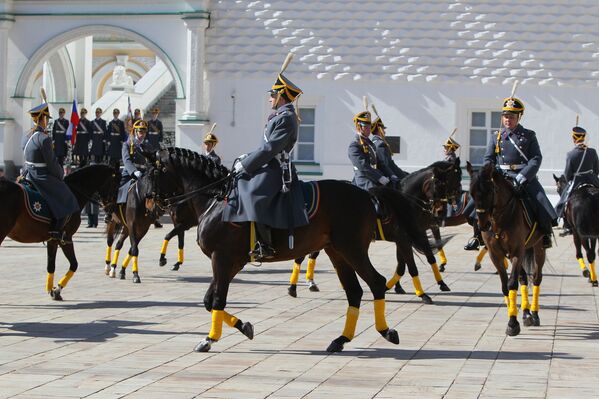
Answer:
(137, 175)
(520, 178)
(384, 180)
(238, 168)
(242, 156)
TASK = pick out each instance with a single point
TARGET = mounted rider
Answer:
(363, 155)
(383, 151)
(210, 141)
(582, 167)
(450, 148)
(515, 150)
(46, 174)
(134, 161)
(267, 189)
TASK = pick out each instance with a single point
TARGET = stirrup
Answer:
(472, 244)
(262, 251)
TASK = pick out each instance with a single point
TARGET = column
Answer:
(194, 84)
(6, 122)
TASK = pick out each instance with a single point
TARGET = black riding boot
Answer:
(57, 229)
(476, 240)
(567, 230)
(263, 249)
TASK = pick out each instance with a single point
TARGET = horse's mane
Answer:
(414, 177)
(182, 158)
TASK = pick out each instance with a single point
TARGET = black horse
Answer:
(582, 214)
(336, 226)
(17, 223)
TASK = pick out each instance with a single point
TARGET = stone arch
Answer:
(26, 79)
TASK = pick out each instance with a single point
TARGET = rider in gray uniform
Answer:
(210, 142)
(46, 174)
(384, 153)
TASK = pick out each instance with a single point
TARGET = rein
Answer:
(181, 198)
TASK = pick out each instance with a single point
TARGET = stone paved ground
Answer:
(113, 339)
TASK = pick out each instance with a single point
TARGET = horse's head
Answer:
(97, 182)
(483, 191)
(560, 183)
(445, 184)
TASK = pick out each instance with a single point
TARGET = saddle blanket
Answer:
(311, 193)
(35, 204)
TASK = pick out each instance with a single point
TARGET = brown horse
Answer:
(336, 226)
(502, 218)
(17, 223)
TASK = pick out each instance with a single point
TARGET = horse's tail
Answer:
(529, 261)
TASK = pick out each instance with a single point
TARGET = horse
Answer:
(184, 218)
(297, 267)
(507, 232)
(335, 226)
(135, 217)
(582, 214)
(18, 224)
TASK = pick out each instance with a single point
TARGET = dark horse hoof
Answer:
(399, 289)
(595, 283)
(313, 287)
(204, 346)
(426, 299)
(247, 329)
(586, 273)
(337, 344)
(527, 318)
(390, 335)
(136, 278)
(536, 321)
(442, 267)
(55, 294)
(122, 274)
(513, 327)
(477, 267)
(292, 290)
(443, 286)
(162, 260)
(176, 266)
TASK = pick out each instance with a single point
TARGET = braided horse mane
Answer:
(185, 160)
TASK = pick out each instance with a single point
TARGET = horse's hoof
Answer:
(594, 283)
(176, 266)
(337, 344)
(426, 299)
(390, 335)
(247, 329)
(136, 278)
(55, 294)
(586, 273)
(112, 273)
(527, 318)
(443, 286)
(107, 269)
(122, 274)
(204, 345)
(313, 287)
(477, 267)
(513, 327)
(442, 267)
(536, 321)
(162, 260)
(399, 289)
(292, 290)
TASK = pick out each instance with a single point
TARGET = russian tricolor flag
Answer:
(72, 130)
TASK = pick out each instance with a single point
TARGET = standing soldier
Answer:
(115, 137)
(210, 142)
(155, 131)
(383, 151)
(136, 116)
(59, 136)
(267, 189)
(98, 137)
(84, 129)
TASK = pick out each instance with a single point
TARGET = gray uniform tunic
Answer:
(46, 174)
(258, 196)
(364, 159)
(131, 164)
(59, 136)
(512, 162)
(212, 155)
(579, 171)
(385, 159)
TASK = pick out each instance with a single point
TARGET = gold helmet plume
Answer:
(450, 144)
(512, 105)
(210, 136)
(578, 133)
(283, 86)
(40, 110)
(378, 126)
(363, 116)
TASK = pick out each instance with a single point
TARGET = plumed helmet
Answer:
(210, 138)
(140, 125)
(579, 134)
(283, 86)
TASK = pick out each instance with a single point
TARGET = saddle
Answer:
(35, 204)
(311, 193)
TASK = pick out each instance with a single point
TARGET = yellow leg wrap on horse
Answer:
(310, 269)
(295, 272)
(442, 256)
(379, 315)
(506, 300)
(180, 256)
(65, 279)
(592, 270)
(393, 280)
(524, 295)
(417, 286)
(115, 256)
(436, 272)
(229, 319)
(108, 253)
(512, 309)
(135, 264)
(351, 320)
(49, 282)
(505, 263)
(164, 247)
(126, 261)
(481, 254)
(217, 324)
(581, 263)
(536, 291)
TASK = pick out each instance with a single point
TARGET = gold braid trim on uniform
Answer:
(497, 149)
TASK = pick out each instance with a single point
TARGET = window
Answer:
(304, 149)
(482, 126)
